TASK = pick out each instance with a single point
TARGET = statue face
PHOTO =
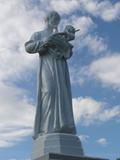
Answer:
(53, 22)
(53, 19)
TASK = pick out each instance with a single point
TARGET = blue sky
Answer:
(94, 72)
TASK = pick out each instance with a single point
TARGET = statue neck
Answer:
(51, 30)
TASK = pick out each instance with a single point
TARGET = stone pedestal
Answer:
(65, 144)
(59, 146)
(53, 156)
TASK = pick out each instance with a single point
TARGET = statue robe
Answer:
(54, 112)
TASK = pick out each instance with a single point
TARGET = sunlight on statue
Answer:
(54, 112)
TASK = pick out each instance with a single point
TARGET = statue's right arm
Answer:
(33, 45)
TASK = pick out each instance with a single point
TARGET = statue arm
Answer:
(33, 45)
(70, 52)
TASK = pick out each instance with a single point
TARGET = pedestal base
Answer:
(53, 156)
(58, 143)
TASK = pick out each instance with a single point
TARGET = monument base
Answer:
(54, 156)
(58, 143)
(59, 146)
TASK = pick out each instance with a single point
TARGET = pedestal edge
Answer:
(55, 156)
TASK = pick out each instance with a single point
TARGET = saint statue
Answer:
(54, 113)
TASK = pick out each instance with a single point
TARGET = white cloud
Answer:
(95, 44)
(17, 25)
(84, 138)
(16, 111)
(78, 75)
(16, 115)
(75, 76)
(84, 23)
(103, 9)
(104, 69)
(14, 64)
(88, 111)
(85, 38)
(102, 141)
(64, 6)
(107, 70)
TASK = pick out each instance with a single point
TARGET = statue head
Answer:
(52, 19)
(70, 30)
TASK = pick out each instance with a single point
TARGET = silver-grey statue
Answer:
(54, 112)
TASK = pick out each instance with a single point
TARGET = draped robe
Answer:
(54, 112)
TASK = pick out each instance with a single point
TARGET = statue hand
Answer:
(48, 44)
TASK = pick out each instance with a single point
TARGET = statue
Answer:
(54, 129)
(54, 112)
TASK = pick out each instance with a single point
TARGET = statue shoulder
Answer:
(36, 35)
(39, 35)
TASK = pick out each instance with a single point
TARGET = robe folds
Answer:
(54, 113)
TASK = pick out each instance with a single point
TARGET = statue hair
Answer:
(51, 14)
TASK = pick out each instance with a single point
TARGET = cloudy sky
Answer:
(94, 72)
